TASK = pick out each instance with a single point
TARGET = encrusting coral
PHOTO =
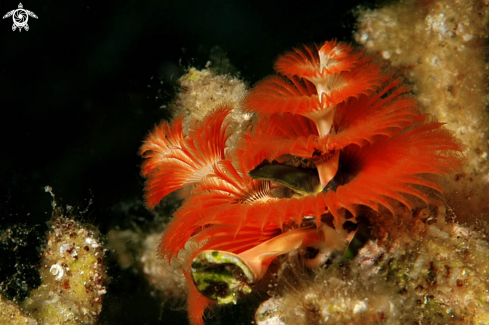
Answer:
(202, 90)
(440, 47)
(10, 313)
(331, 118)
(72, 274)
(419, 273)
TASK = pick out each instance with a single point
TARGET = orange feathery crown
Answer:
(330, 106)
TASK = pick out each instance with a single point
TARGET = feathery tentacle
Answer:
(174, 160)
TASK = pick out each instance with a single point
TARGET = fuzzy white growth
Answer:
(64, 248)
(92, 242)
(360, 307)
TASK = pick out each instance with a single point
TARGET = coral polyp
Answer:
(333, 137)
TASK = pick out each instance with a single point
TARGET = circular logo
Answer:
(20, 18)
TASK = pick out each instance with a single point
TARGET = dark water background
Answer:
(80, 90)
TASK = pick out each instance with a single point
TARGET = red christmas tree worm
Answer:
(330, 106)
(173, 160)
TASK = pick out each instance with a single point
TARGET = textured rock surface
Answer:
(424, 274)
(440, 48)
(11, 314)
(72, 275)
(203, 90)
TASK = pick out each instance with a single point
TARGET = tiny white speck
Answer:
(361, 306)
(63, 248)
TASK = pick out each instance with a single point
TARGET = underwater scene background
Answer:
(81, 89)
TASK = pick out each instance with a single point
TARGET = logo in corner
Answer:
(20, 17)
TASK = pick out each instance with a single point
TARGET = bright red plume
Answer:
(331, 107)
